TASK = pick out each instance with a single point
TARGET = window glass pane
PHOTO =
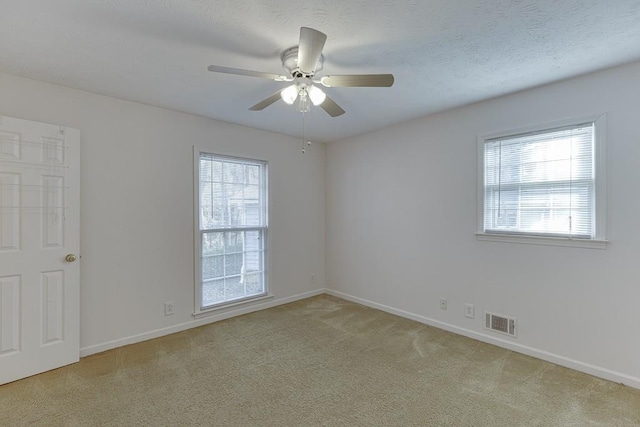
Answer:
(252, 174)
(206, 189)
(233, 173)
(235, 256)
(218, 213)
(212, 243)
(212, 267)
(230, 205)
(251, 194)
(502, 209)
(252, 262)
(234, 288)
(212, 292)
(252, 208)
(254, 283)
(234, 204)
(216, 170)
(233, 264)
(205, 170)
(218, 194)
(253, 240)
(235, 241)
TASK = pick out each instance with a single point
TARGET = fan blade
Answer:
(358, 80)
(266, 102)
(310, 49)
(250, 73)
(330, 106)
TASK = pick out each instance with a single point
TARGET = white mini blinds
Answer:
(542, 183)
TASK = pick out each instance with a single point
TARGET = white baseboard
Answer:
(577, 365)
(236, 311)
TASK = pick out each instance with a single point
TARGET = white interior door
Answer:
(39, 238)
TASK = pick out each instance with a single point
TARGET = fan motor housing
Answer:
(289, 59)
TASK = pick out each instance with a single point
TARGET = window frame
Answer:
(599, 152)
(199, 309)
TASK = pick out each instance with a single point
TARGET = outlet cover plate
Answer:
(168, 308)
(469, 311)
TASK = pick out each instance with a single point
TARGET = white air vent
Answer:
(503, 324)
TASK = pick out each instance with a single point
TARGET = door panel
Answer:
(9, 218)
(39, 226)
(9, 314)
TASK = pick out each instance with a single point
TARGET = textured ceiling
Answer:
(443, 53)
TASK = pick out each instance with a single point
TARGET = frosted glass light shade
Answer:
(317, 95)
(289, 94)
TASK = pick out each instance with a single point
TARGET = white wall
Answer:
(401, 217)
(137, 207)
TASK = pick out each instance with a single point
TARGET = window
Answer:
(544, 185)
(231, 230)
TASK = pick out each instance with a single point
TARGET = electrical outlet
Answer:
(469, 311)
(168, 308)
(313, 279)
(443, 303)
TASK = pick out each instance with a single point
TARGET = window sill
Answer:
(538, 240)
(218, 308)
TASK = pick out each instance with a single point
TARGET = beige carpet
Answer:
(317, 362)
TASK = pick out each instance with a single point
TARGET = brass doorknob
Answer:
(70, 258)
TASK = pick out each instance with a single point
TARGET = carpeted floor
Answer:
(317, 362)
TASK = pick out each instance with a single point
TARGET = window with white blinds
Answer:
(232, 226)
(543, 183)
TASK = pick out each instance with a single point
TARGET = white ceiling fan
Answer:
(302, 62)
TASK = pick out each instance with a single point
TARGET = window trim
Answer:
(600, 187)
(199, 310)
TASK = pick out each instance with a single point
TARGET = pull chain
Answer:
(308, 142)
(303, 132)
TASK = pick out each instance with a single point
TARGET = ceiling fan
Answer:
(301, 63)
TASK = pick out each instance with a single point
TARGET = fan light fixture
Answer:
(306, 93)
